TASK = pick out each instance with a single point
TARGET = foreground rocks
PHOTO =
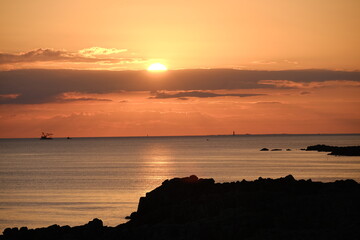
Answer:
(338, 151)
(192, 208)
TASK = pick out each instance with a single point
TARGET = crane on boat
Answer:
(46, 136)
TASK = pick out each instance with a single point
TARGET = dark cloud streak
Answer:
(84, 99)
(40, 86)
(198, 94)
(46, 98)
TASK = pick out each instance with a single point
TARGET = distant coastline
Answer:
(217, 135)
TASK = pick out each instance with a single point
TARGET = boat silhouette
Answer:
(46, 136)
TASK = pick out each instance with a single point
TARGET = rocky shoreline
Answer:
(192, 208)
(337, 151)
(334, 150)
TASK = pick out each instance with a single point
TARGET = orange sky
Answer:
(111, 37)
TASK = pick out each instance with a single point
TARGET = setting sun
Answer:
(157, 67)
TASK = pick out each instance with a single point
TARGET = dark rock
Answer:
(193, 208)
(290, 178)
(264, 149)
(338, 151)
(95, 223)
(10, 232)
(288, 149)
(276, 149)
(346, 151)
(320, 148)
(93, 230)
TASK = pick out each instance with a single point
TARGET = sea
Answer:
(71, 181)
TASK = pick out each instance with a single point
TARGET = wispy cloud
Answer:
(314, 84)
(8, 96)
(271, 62)
(84, 99)
(37, 55)
(94, 55)
(283, 83)
(41, 98)
(184, 95)
(268, 103)
(77, 97)
(96, 51)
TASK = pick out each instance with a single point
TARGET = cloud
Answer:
(33, 86)
(283, 83)
(8, 96)
(84, 99)
(40, 98)
(271, 62)
(88, 55)
(77, 96)
(95, 51)
(184, 95)
(268, 103)
(286, 84)
(35, 55)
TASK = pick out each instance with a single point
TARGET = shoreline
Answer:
(192, 208)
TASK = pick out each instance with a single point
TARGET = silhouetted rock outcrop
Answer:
(264, 149)
(276, 149)
(338, 151)
(192, 208)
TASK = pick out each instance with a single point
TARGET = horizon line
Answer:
(199, 68)
(206, 135)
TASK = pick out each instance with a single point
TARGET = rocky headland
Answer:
(192, 208)
(333, 150)
(337, 151)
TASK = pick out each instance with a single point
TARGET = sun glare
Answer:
(157, 67)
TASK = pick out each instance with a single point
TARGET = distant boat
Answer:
(46, 136)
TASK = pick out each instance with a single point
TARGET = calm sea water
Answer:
(69, 182)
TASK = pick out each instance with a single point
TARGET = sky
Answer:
(78, 68)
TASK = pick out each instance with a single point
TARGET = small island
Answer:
(193, 208)
(337, 151)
